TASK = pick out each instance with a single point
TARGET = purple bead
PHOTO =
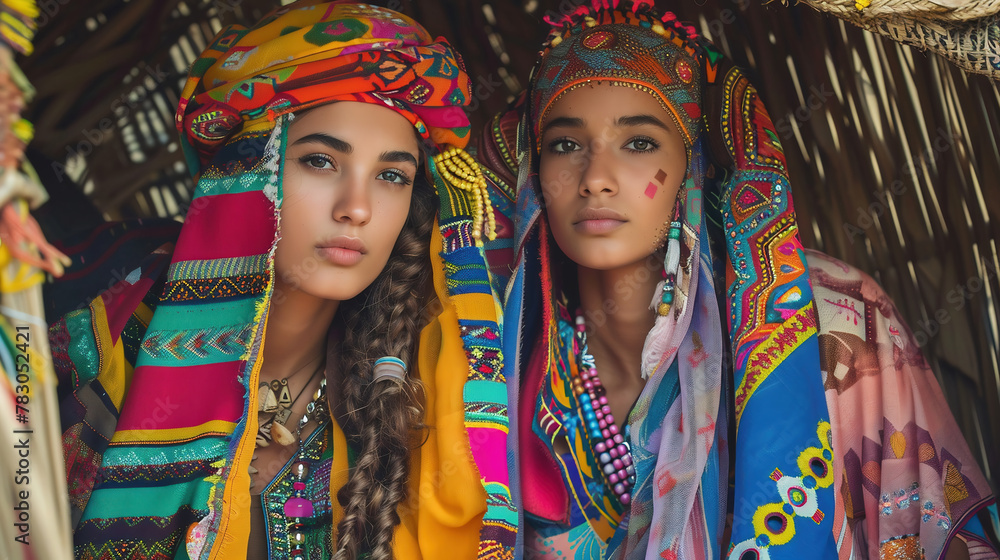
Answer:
(630, 469)
(619, 488)
(614, 478)
(614, 429)
(606, 409)
(622, 450)
(627, 459)
(618, 464)
(600, 447)
(588, 385)
(607, 432)
(618, 437)
(585, 375)
(625, 498)
(298, 507)
(605, 458)
(614, 453)
(608, 469)
(603, 424)
(603, 400)
(622, 475)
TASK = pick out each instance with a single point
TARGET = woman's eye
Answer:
(317, 161)
(563, 146)
(397, 177)
(641, 145)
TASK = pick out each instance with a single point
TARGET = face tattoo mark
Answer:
(660, 177)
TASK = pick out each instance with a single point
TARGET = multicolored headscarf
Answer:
(160, 428)
(340, 51)
(783, 480)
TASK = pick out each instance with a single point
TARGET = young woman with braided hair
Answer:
(313, 368)
(347, 291)
(384, 418)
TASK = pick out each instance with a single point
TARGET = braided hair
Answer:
(383, 420)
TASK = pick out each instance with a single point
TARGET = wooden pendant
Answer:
(280, 434)
(264, 434)
(262, 441)
(281, 416)
(284, 396)
(266, 401)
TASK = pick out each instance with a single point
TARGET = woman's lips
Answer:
(342, 251)
(598, 226)
(598, 220)
(340, 256)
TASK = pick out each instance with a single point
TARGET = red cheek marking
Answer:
(661, 176)
(651, 190)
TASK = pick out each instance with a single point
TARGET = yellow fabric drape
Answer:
(443, 514)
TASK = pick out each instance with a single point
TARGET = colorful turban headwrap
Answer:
(317, 53)
(160, 427)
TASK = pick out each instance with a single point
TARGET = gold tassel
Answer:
(460, 170)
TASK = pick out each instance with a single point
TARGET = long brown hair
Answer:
(383, 420)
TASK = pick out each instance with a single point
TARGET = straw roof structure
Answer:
(893, 153)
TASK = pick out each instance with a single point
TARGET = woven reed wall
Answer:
(893, 154)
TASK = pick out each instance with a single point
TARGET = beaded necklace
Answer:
(274, 406)
(297, 507)
(609, 446)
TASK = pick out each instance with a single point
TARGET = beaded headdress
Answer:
(625, 49)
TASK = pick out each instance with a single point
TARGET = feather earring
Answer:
(671, 261)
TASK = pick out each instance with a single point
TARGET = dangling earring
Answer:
(671, 261)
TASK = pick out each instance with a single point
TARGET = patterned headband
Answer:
(631, 47)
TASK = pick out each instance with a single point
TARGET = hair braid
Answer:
(383, 419)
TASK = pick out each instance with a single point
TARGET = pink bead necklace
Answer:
(610, 447)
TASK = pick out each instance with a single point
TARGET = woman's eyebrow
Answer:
(638, 120)
(564, 122)
(398, 156)
(326, 140)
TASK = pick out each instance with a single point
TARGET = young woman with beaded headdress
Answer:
(764, 385)
(262, 387)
